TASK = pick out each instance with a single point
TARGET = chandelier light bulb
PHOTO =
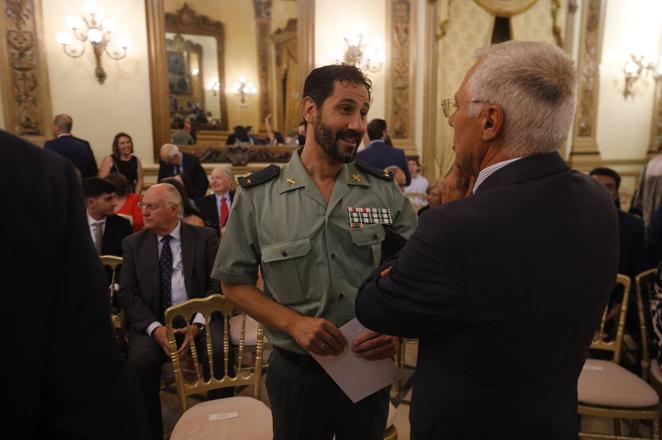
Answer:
(95, 35)
(73, 22)
(92, 8)
(109, 25)
(63, 38)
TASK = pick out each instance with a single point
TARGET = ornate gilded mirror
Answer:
(201, 49)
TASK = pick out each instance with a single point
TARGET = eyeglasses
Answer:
(450, 106)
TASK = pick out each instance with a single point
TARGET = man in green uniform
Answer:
(315, 228)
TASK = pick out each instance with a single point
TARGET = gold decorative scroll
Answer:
(23, 71)
(400, 94)
(263, 29)
(584, 134)
(444, 15)
(505, 8)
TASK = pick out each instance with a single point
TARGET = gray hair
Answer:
(534, 83)
(225, 170)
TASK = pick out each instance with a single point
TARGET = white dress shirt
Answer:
(487, 172)
(179, 294)
(92, 228)
(218, 201)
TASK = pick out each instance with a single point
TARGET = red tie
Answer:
(225, 212)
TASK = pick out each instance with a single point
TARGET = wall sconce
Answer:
(638, 68)
(214, 86)
(99, 33)
(370, 58)
(243, 88)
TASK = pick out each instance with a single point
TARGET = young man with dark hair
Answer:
(381, 155)
(106, 228)
(293, 223)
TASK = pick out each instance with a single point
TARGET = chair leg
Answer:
(617, 426)
(656, 429)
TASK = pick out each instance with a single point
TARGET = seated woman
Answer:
(239, 136)
(191, 215)
(127, 203)
(123, 161)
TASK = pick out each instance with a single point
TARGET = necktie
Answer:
(225, 212)
(98, 235)
(165, 272)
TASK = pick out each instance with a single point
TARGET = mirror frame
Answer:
(158, 69)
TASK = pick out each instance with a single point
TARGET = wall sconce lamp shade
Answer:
(100, 34)
(214, 86)
(242, 88)
(638, 69)
(370, 58)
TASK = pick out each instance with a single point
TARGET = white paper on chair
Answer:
(357, 377)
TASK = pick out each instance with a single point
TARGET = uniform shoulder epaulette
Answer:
(371, 169)
(259, 177)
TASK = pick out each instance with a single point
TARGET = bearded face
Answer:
(340, 146)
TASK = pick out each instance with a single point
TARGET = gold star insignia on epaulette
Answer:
(248, 181)
(291, 181)
(356, 177)
(387, 174)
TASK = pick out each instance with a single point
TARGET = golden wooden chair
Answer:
(117, 317)
(645, 291)
(220, 419)
(605, 389)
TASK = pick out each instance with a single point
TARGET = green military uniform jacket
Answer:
(313, 261)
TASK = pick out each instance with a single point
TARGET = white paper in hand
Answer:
(357, 377)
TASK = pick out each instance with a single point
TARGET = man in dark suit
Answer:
(55, 285)
(215, 207)
(505, 287)
(76, 150)
(106, 228)
(381, 155)
(166, 263)
(175, 162)
(631, 254)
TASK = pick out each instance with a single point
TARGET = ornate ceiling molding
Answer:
(23, 70)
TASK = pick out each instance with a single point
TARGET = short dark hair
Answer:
(376, 129)
(320, 82)
(120, 182)
(116, 142)
(179, 123)
(96, 186)
(604, 171)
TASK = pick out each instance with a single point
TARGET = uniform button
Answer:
(374, 237)
(284, 254)
(341, 296)
(333, 256)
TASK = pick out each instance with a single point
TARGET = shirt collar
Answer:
(175, 233)
(64, 134)
(487, 172)
(220, 196)
(91, 221)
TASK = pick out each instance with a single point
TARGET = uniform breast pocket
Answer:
(368, 244)
(284, 274)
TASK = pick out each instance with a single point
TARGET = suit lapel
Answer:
(188, 250)
(150, 254)
(107, 236)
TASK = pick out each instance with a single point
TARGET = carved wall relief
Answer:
(263, 28)
(400, 96)
(23, 70)
(584, 137)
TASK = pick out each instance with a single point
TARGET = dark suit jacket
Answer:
(77, 151)
(209, 210)
(193, 169)
(139, 279)
(116, 230)
(504, 289)
(55, 290)
(381, 155)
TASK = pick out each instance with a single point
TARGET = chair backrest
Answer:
(113, 262)
(601, 340)
(645, 291)
(196, 384)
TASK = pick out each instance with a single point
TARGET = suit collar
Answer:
(188, 255)
(528, 168)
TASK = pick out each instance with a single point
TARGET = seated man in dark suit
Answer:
(381, 155)
(76, 150)
(215, 207)
(174, 162)
(631, 261)
(106, 228)
(54, 282)
(505, 287)
(166, 263)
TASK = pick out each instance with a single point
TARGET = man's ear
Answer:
(309, 110)
(492, 122)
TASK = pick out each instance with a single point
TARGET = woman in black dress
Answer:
(123, 161)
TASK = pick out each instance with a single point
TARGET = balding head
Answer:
(170, 154)
(62, 124)
(162, 208)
